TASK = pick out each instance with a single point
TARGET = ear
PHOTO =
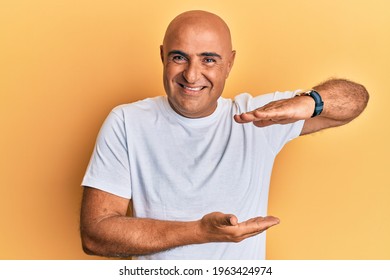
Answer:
(162, 53)
(231, 62)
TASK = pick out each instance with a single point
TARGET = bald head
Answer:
(198, 22)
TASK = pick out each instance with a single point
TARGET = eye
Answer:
(179, 59)
(209, 60)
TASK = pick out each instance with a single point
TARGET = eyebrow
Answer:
(212, 54)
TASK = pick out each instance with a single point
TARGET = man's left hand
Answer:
(279, 112)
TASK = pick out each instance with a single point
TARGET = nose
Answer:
(192, 73)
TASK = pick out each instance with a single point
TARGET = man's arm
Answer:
(343, 101)
(107, 231)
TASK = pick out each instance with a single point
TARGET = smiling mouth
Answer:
(192, 89)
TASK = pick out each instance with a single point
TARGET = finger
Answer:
(260, 115)
(268, 222)
(274, 113)
(254, 226)
(263, 123)
(244, 117)
(260, 224)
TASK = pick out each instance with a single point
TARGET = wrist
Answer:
(199, 236)
(318, 103)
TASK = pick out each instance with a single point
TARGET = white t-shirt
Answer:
(176, 168)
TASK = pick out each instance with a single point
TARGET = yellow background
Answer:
(65, 64)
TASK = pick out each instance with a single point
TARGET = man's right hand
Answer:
(220, 227)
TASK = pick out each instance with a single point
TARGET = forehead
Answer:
(198, 37)
(197, 41)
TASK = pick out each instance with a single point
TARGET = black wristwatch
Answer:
(319, 104)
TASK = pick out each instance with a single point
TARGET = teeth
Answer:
(193, 88)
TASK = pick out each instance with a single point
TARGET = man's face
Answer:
(196, 62)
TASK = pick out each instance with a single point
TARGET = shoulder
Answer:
(139, 108)
(124, 115)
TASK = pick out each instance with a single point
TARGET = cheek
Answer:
(217, 79)
(172, 71)
(218, 75)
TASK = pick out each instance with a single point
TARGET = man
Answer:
(195, 167)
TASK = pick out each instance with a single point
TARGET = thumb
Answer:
(231, 220)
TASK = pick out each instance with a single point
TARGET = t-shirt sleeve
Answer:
(108, 169)
(279, 134)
